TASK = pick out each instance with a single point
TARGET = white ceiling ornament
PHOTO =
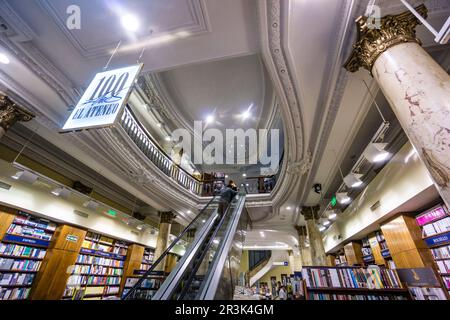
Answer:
(141, 177)
(301, 167)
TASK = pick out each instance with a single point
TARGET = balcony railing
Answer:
(156, 155)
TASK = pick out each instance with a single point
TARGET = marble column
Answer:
(305, 252)
(10, 113)
(163, 237)
(417, 88)
(318, 257)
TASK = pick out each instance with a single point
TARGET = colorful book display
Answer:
(435, 224)
(352, 283)
(21, 253)
(98, 270)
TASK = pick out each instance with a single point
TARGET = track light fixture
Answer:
(91, 204)
(61, 192)
(375, 152)
(343, 198)
(25, 176)
(353, 180)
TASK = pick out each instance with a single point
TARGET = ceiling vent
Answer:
(375, 206)
(5, 185)
(81, 213)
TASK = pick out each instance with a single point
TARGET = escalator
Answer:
(209, 268)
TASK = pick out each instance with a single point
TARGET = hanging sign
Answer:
(103, 101)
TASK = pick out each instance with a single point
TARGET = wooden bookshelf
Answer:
(438, 243)
(353, 253)
(352, 283)
(24, 244)
(98, 269)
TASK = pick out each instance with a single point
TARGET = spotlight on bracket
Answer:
(25, 176)
(91, 204)
(343, 198)
(375, 152)
(353, 180)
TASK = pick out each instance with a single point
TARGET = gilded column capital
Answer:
(167, 217)
(311, 213)
(10, 113)
(372, 42)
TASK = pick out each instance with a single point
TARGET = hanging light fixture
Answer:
(375, 152)
(353, 180)
(343, 198)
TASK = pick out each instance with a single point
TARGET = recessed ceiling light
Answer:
(189, 211)
(168, 138)
(130, 22)
(4, 58)
(246, 114)
(332, 216)
(244, 175)
(326, 223)
(262, 234)
(322, 228)
(203, 221)
(288, 208)
(210, 119)
(226, 176)
(159, 124)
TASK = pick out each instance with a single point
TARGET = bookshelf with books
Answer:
(367, 255)
(435, 226)
(340, 260)
(352, 283)
(98, 270)
(22, 249)
(384, 249)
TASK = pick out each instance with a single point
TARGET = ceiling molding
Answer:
(198, 25)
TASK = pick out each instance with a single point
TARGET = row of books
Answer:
(446, 282)
(26, 231)
(145, 266)
(14, 279)
(96, 270)
(383, 245)
(436, 227)
(441, 252)
(326, 296)
(146, 284)
(22, 265)
(380, 237)
(106, 262)
(370, 278)
(104, 248)
(75, 280)
(14, 293)
(443, 266)
(427, 293)
(35, 223)
(16, 250)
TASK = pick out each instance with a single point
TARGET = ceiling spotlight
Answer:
(244, 175)
(326, 223)
(353, 180)
(159, 124)
(332, 216)
(226, 176)
(247, 185)
(246, 115)
(140, 227)
(322, 228)
(216, 241)
(61, 192)
(91, 204)
(375, 152)
(189, 211)
(210, 119)
(203, 221)
(262, 234)
(25, 176)
(343, 198)
(4, 58)
(288, 208)
(130, 22)
(168, 138)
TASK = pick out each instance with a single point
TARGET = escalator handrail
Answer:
(203, 254)
(166, 252)
(211, 281)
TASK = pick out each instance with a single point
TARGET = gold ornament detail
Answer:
(10, 113)
(372, 42)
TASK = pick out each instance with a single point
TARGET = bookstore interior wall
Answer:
(404, 180)
(37, 198)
